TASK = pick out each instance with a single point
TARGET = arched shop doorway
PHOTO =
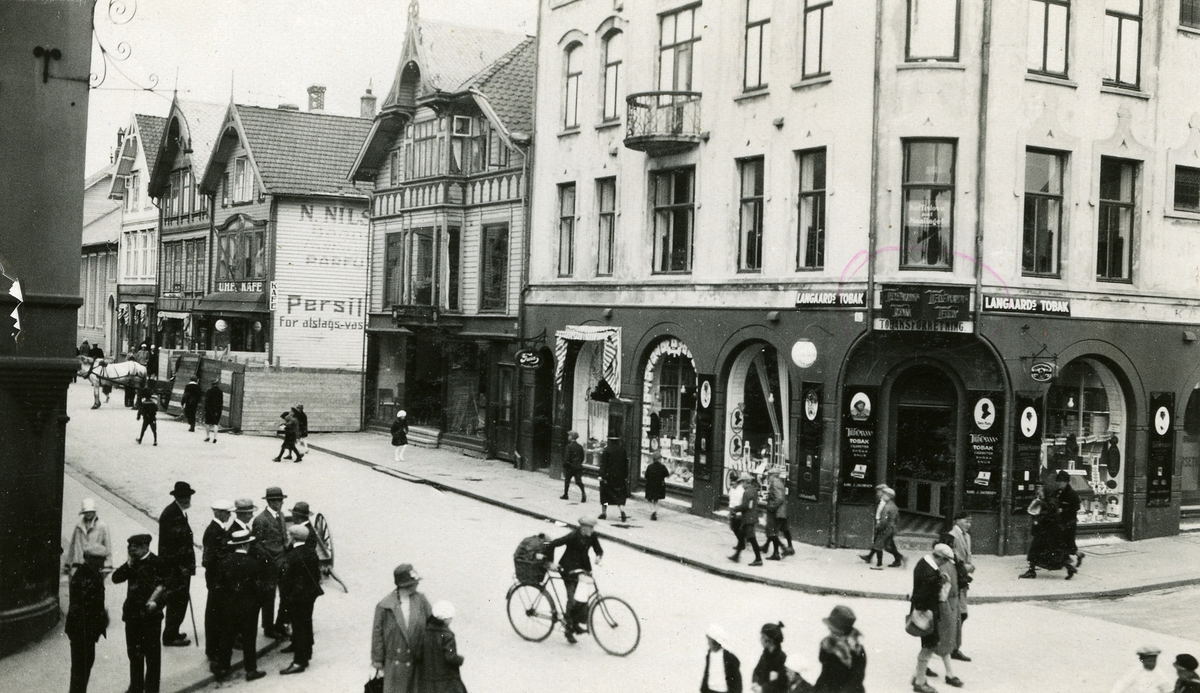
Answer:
(669, 411)
(1189, 455)
(589, 417)
(1087, 426)
(924, 445)
(756, 413)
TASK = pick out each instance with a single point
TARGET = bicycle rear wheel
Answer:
(531, 611)
(615, 626)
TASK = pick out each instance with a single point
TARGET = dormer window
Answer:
(243, 188)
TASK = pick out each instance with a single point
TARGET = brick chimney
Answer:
(367, 105)
(316, 99)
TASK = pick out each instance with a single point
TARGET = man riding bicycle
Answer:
(575, 560)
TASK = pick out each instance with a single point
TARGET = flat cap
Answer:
(587, 520)
(140, 540)
(1149, 651)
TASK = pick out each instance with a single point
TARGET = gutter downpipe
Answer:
(526, 232)
(366, 309)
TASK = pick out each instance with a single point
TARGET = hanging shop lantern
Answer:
(221, 326)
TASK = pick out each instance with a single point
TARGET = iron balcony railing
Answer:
(663, 122)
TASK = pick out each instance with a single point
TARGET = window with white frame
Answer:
(1042, 227)
(750, 220)
(815, 12)
(810, 239)
(758, 25)
(932, 30)
(606, 198)
(242, 184)
(573, 68)
(1187, 189)
(1114, 243)
(133, 187)
(677, 39)
(566, 229)
(928, 234)
(673, 196)
(614, 44)
(1122, 42)
(1049, 27)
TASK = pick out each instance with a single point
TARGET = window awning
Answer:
(611, 360)
(232, 302)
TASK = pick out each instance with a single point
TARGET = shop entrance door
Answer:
(923, 450)
(504, 414)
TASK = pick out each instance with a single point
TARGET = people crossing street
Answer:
(214, 402)
(142, 613)
(178, 561)
(148, 413)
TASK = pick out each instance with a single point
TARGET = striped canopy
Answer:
(611, 361)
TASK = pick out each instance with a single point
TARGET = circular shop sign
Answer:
(1162, 421)
(528, 359)
(1029, 422)
(811, 405)
(985, 413)
(705, 394)
(1042, 371)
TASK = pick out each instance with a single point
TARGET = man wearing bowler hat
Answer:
(142, 613)
(299, 587)
(240, 581)
(179, 562)
(270, 531)
(302, 516)
(399, 630)
(214, 550)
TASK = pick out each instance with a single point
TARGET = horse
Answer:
(99, 372)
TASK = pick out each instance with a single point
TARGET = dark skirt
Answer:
(613, 493)
(1048, 549)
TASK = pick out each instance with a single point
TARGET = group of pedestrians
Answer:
(747, 503)
(1055, 515)
(213, 400)
(842, 657)
(295, 432)
(413, 649)
(938, 610)
(614, 475)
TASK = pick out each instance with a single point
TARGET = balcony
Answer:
(661, 123)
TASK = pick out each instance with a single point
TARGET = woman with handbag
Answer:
(928, 594)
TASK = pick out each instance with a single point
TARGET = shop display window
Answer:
(669, 415)
(466, 389)
(756, 419)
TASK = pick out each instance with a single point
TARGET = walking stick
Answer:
(192, 611)
(339, 581)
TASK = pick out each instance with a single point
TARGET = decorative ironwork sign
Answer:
(527, 358)
(415, 314)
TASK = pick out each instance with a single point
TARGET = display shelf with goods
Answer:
(669, 422)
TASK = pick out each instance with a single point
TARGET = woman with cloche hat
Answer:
(843, 659)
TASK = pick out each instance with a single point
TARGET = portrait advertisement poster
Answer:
(983, 468)
(702, 464)
(859, 414)
(1159, 463)
(1027, 450)
(809, 437)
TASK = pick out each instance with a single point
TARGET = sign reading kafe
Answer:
(858, 443)
(1027, 450)
(320, 283)
(240, 287)
(831, 299)
(1160, 461)
(925, 309)
(1026, 305)
(984, 462)
(810, 436)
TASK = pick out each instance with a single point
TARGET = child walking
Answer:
(440, 661)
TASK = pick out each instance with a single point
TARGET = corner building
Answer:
(943, 246)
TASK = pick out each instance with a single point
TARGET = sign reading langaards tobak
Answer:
(831, 299)
(1026, 305)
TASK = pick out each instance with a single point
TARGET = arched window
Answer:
(574, 69)
(613, 55)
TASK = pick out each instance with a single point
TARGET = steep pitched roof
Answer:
(508, 86)
(150, 130)
(454, 54)
(101, 218)
(299, 153)
(204, 124)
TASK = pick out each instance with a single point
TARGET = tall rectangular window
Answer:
(424, 149)
(393, 269)
(932, 30)
(810, 239)
(673, 196)
(1187, 189)
(574, 69)
(453, 251)
(421, 261)
(677, 38)
(1122, 42)
(758, 25)
(1115, 233)
(814, 37)
(493, 290)
(1189, 13)
(243, 186)
(614, 44)
(133, 187)
(566, 229)
(1042, 231)
(928, 235)
(750, 231)
(606, 197)
(1049, 22)
(394, 167)
(187, 204)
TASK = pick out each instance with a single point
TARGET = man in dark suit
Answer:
(270, 535)
(192, 394)
(722, 670)
(573, 466)
(299, 587)
(86, 618)
(1068, 505)
(142, 613)
(926, 597)
(215, 548)
(302, 516)
(179, 561)
(240, 580)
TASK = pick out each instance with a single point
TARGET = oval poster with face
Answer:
(985, 413)
(1029, 422)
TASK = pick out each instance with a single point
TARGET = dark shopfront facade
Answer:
(947, 411)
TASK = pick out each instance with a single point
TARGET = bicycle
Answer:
(534, 609)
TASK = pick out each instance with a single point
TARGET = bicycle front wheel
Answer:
(615, 626)
(531, 612)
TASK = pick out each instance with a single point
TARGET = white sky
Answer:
(272, 49)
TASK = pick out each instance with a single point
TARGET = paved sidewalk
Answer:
(1113, 569)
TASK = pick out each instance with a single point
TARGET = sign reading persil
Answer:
(1026, 305)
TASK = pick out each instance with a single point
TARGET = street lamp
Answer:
(804, 353)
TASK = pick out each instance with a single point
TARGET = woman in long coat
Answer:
(395, 647)
(1048, 547)
(614, 477)
(400, 434)
(214, 401)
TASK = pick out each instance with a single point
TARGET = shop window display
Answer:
(756, 418)
(590, 418)
(1189, 451)
(466, 389)
(669, 414)
(1086, 426)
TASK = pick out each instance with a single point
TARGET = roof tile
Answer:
(301, 153)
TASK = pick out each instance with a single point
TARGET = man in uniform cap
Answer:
(1146, 678)
(215, 548)
(240, 580)
(86, 618)
(142, 613)
(270, 531)
(399, 630)
(179, 562)
(575, 559)
(299, 587)
(1185, 670)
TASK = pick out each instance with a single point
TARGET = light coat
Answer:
(396, 644)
